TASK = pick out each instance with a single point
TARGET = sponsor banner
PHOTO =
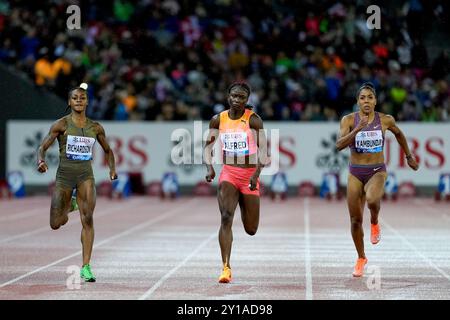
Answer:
(304, 151)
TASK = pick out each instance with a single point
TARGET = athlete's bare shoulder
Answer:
(215, 121)
(256, 116)
(348, 119)
(386, 119)
(255, 121)
(60, 124)
(98, 128)
(385, 116)
(64, 119)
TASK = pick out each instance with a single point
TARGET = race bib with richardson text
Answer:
(79, 148)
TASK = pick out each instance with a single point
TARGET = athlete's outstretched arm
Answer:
(101, 137)
(401, 139)
(55, 130)
(207, 152)
(261, 142)
(346, 136)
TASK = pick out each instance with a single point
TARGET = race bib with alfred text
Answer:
(234, 143)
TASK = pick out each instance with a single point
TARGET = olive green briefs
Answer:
(75, 154)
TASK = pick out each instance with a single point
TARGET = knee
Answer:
(54, 225)
(372, 202)
(227, 218)
(88, 220)
(356, 221)
(251, 231)
(55, 220)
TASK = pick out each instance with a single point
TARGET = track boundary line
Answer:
(444, 216)
(24, 214)
(155, 287)
(413, 247)
(140, 226)
(101, 213)
(308, 272)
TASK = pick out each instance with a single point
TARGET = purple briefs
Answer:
(364, 172)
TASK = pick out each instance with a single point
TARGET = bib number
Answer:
(235, 143)
(79, 148)
(369, 141)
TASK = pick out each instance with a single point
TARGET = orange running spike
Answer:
(375, 233)
(359, 267)
(225, 277)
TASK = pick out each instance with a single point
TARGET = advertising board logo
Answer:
(29, 157)
(331, 160)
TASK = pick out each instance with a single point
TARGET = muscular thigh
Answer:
(249, 205)
(355, 195)
(60, 199)
(228, 197)
(374, 188)
(86, 195)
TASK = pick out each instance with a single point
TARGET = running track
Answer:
(151, 249)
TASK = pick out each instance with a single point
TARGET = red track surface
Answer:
(151, 249)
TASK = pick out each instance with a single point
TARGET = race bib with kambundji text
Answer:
(369, 141)
(234, 143)
(79, 148)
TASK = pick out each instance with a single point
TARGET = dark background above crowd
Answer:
(173, 60)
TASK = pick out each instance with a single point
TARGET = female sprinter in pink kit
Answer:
(240, 132)
(363, 132)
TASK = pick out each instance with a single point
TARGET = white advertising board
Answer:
(306, 151)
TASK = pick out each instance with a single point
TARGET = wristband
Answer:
(409, 156)
(40, 161)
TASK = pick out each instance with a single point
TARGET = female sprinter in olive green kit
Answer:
(76, 136)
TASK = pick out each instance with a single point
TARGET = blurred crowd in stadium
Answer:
(173, 60)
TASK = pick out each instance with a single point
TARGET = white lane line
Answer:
(39, 269)
(27, 213)
(24, 214)
(100, 213)
(413, 247)
(150, 291)
(444, 216)
(27, 234)
(16, 205)
(107, 240)
(309, 293)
